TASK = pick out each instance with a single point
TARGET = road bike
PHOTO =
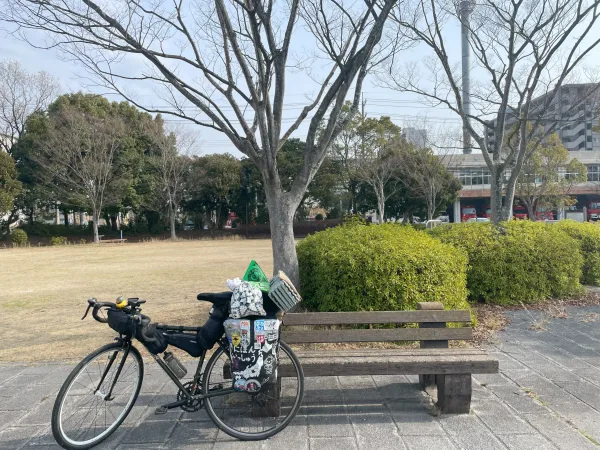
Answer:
(102, 389)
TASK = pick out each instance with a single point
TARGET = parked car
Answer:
(478, 220)
(468, 212)
(189, 225)
(444, 219)
(520, 212)
(593, 211)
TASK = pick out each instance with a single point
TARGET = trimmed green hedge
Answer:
(517, 261)
(379, 268)
(588, 235)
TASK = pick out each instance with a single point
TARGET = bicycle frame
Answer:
(197, 379)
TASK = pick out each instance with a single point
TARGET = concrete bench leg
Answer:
(454, 393)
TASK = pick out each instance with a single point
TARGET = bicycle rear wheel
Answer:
(253, 417)
(83, 414)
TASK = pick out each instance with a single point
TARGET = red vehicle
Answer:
(488, 212)
(544, 214)
(520, 212)
(593, 211)
(468, 212)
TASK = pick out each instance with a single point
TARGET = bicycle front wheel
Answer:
(84, 413)
(253, 417)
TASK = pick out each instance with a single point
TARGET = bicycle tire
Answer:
(57, 429)
(243, 436)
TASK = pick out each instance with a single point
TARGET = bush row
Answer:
(392, 267)
(588, 235)
(386, 267)
(517, 261)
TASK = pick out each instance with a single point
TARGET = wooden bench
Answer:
(112, 241)
(436, 364)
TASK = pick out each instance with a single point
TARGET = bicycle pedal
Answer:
(160, 410)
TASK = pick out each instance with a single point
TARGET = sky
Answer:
(405, 109)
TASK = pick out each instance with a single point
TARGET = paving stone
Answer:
(149, 432)
(329, 425)
(501, 420)
(400, 390)
(527, 442)
(517, 398)
(559, 433)
(470, 432)
(41, 415)
(584, 391)
(17, 437)
(332, 443)
(414, 420)
(142, 447)
(376, 431)
(10, 418)
(490, 379)
(43, 439)
(354, 381)
(192, 433)
(225, 442)
(429, 442)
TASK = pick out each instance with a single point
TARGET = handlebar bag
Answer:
(253, 348)
(125, 325)
(121, 322)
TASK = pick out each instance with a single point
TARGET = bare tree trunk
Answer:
(379, 193)
(172, 221)
(496, 195)
(507, 209)
(96, 218)
(530, 211)
(281, 220)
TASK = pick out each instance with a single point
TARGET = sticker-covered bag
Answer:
(254, 344)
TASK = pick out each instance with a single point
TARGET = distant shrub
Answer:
(379, 268)
(58, 240)
(588, 235)
(49, 230)
(517, 261)
(354, 219)
(18, 237)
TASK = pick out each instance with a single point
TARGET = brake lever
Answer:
(91, 302)
(86, 312)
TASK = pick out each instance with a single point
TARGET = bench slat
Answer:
(378, 335)
(388, 352)
(372, 317)
(393, 365)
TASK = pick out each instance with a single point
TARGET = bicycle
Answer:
(102, 389)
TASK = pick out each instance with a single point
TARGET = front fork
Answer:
(108, 396)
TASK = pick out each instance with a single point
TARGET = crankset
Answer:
(192, 405)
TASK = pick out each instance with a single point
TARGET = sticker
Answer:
(240, 385)
(259, 325)
(270, 324)
(245, 324)
(252, 386)
(235, 339)
(257, 345)
(260, 338)
(272, 336)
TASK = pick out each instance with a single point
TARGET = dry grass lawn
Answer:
(43, 291)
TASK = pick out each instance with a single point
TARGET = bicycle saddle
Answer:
(216, 298)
